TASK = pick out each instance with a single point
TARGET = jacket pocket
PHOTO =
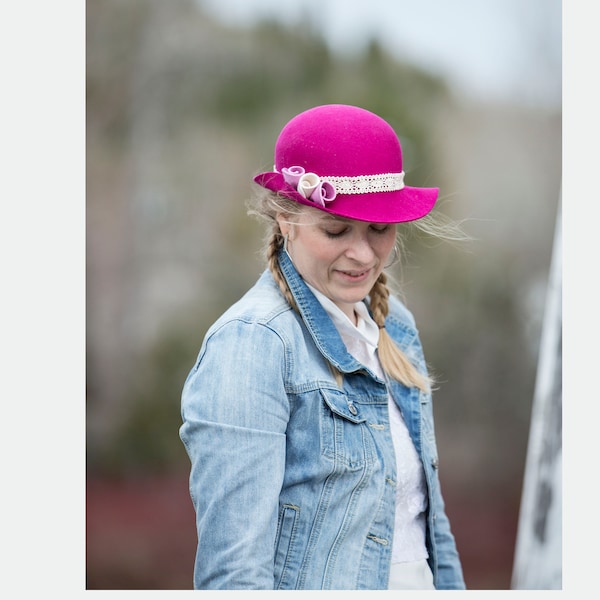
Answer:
(285, 547)
(342, 428)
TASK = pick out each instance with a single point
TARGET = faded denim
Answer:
(293, 478)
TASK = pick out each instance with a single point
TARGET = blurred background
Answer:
(184, 102)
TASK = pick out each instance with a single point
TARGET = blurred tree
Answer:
(181, 112)
(176, 105)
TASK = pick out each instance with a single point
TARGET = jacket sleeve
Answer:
(235, 412)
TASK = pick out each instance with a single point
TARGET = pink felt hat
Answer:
(346, 161)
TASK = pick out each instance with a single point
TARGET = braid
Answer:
(394, 362)
(379, 300)
(273, 247)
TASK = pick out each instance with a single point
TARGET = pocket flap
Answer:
(339, 404)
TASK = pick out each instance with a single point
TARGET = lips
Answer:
(352, 275)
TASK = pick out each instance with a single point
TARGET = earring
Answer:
(285, 247)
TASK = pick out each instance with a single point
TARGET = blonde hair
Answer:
(266, 206)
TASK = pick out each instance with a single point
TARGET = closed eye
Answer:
(380, 229)
(335, 233)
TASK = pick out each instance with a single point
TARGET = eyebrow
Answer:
(338, 219)
(328, 217)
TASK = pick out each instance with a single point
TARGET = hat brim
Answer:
(400, 206)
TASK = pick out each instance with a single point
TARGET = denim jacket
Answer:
(292, 477)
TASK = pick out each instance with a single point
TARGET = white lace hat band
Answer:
(364, 184)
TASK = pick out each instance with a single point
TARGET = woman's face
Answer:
(342, 258)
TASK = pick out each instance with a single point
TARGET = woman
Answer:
(307, 416)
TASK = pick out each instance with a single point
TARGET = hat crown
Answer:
(339, 140)
(346, 161)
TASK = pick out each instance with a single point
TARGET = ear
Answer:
(284, 223)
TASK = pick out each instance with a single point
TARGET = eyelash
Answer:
(337, 234)
(382, 230)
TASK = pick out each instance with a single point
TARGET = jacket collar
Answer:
(317, 321)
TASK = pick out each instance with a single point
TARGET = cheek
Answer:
(312, 256)
(321, 260)
(320, 250)
(386, 245)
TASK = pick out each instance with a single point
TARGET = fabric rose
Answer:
(309, 185)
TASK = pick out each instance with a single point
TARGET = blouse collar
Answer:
(365, 330)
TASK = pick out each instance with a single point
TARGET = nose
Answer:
(360, 249)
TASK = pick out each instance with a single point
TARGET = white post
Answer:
(538, 550)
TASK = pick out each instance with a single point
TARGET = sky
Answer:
(491, 49)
